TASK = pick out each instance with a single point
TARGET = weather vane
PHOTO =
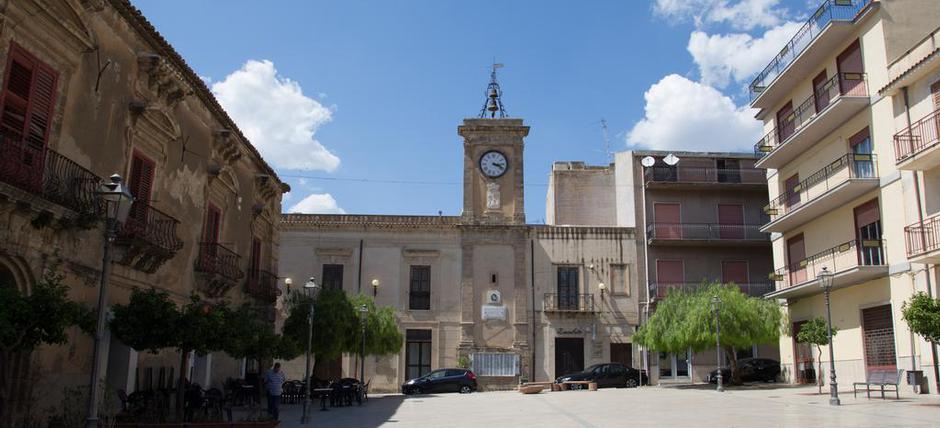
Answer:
(494, 103)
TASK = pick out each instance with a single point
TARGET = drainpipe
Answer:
(646, 262)
(532, 276)
(359, 280)
(920, 220)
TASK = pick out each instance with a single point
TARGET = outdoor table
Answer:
(324, 393)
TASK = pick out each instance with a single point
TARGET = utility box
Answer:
(915, 377)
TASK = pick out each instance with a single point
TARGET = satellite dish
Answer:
(648, 161)
(671, 159)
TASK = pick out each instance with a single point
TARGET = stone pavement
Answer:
(765, 406)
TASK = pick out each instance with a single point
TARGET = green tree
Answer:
(815, 332)
(685, 320)
(334, 323)
(922, 314)
(28, 321)
(382, 334)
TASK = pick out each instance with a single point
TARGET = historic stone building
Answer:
(520, 301)
(90, 88)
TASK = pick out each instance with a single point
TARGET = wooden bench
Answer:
(534, 387)
(879, 379)
(580, 383)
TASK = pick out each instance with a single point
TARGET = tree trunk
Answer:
(181, 387)
(819, 376)
(733, 360)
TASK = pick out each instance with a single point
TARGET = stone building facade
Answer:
(518, 300)
(90, 89)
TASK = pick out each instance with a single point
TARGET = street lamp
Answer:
(117, 200)
(375, 287)
(602, 288)
(310, 288)
(716, 302)
(825, 281)
(287, 283)
(363, 310)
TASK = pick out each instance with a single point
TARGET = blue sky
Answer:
(356, 103)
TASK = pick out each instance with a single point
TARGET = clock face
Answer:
(493, 164)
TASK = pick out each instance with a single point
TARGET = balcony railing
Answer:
(554, 302)
(842, 84)
(829, 11)
(660, 290)
(45, 173)
(152, 226)
(217, 260)
(923, 237)
(839, 171)
(921, 135)
(704, 175)
(705, 232)
(262, 285)
(846, 256)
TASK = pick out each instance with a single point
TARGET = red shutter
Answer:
(859, 136)
(786, 122)
(668, 221)
(730, 221)
(935, 90)
(796, 252)
(213, 223)
(28, 98)
(820, 92)
(867, 213)
(255, 262)
(141, 182)
(735, 272)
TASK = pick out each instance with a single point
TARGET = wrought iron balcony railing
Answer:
(845, 256)
(844, 168)
(555, 302)
(923, 237)
(262, 285)
(660, 290)
(214, 258)
(842, 84)
(152, 226)
(829, 11)
(46, 173)
(920, 136)
(705, 232)
(704, 175)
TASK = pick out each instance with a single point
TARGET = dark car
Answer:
(607, 375)
(443, 380)
(751, 369)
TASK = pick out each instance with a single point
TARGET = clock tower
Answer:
(492, 164)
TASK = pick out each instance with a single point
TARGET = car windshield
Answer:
(594, 368)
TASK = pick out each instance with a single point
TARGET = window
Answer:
(568, 288)
(254, 263)
(29, 95)
(332, 277)
(494, 364)
(619, 279)
(729, 170)
(213, 225)
(868, 222)
(140, 186)
(419, 292)
(417, 353)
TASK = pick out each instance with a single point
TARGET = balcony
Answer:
(705, 234)
(836, 101)
(218, 268)
(33, 173)
(661, 176)
(262, 285)
(851, 263)
(659, 291)
(923, 241)
(574, 303)
(915, 147)
(825, 31)
(149, 237)
(840, 182)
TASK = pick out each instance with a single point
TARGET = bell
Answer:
(491, 105)
(493, 93)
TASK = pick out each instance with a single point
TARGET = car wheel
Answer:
(416, 391)
(631, 383)
(465, 389)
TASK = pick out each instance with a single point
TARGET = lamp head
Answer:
(601, 286)
(117, 198)
(288, 282)
(363, 309)
(311, 284)
(375, 282)
(825, 278)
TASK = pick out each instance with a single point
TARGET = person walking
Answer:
(274, 382)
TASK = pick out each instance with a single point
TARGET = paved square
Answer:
(650, 406)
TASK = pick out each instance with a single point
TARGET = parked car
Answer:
(608, 375)
(444, 380)
(751, 369)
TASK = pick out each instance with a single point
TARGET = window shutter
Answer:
(255, 256)
(41, 106)
(16, 98)
(213, 223)
(28, 98)
(935, 90)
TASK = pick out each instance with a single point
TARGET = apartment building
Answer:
(701, 214)
(847, 180)
(91, 89)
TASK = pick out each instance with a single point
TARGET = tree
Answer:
(685, 320)
(922, 314)
(382, 334)
(28, 321)
(815, 332)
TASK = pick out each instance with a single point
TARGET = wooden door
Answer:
(569, 355)
(786, 123)
(796, 253)
(667, 220)
(821, 92)
(850, 67)
(730, 221)
(793, 196)
(622, 353)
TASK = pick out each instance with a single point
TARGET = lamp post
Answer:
(117, 200)
(311, 288)
(716, 302)
(825, 281)
(375, 287)
(363, 310)
(602, 288)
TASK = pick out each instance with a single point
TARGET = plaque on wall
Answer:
(493, 312)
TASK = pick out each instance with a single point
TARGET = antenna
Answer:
(610, 155)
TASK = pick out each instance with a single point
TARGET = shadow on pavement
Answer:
(378, 410)
(756, 386)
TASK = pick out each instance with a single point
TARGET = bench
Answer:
(534, 387)
(580, 384)
(879, 379)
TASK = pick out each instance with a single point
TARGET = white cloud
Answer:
(276, 116)
(741, 14)
(317, 203)
(685, 115)
(723, 58)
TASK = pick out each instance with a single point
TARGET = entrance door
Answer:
(667, 218)
(868, 224)
(821, 93)
(622, 353)
(730, 221)
(803, 357)
(878, 330)
(569, 355)
(673, 366)
(849, 64)
(863, 167)
(796, 253)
